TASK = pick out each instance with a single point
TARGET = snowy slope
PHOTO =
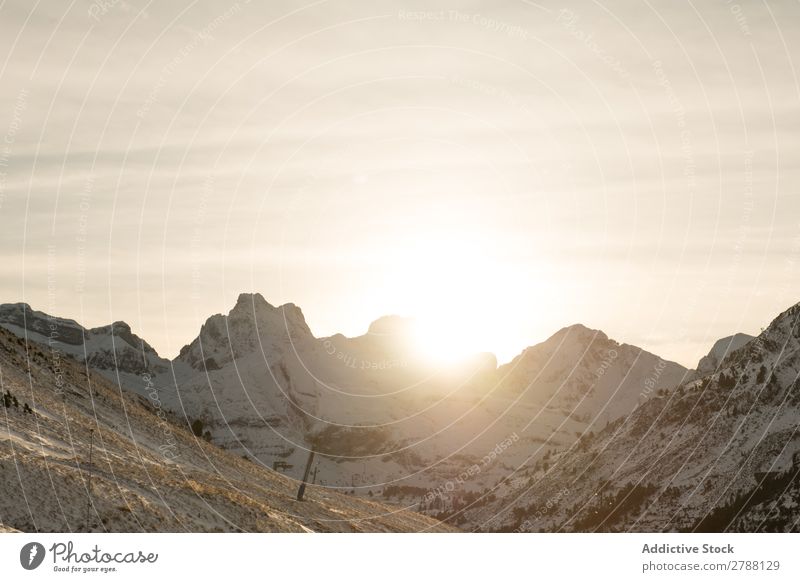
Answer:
(718, 453)
(148, 472)
(113, 350)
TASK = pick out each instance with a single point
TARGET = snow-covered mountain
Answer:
(256, 381)
(113, 350)
(261, 384)
(584, 373)
(718, 453)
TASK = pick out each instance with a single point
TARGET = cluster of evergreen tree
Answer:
(768, 491)
(612, 508)
(198, 427)
(727, 382)
(401, 491)
(10, 400)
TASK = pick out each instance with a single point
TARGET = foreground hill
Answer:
(148, 471)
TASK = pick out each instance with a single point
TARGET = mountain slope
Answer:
(709, 363)
(721, 453)
(148, 472)
(113, 350)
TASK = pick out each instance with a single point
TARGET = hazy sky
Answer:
(502, 168)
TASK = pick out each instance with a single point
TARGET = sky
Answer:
(498, 170)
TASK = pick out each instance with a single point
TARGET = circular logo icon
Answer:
(31, 555)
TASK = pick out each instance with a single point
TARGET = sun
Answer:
(461, 291)
(444, 341)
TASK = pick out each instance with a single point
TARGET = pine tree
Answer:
(197, 428)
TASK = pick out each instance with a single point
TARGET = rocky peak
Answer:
(250, 302)
(252, 324)
(578, 333)
(391, 325)
(711, 362)
(20, 316)
(120, 330)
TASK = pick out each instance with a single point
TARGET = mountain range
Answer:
(579, 432)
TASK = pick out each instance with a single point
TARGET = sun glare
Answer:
(461, 295)
(444, 342)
